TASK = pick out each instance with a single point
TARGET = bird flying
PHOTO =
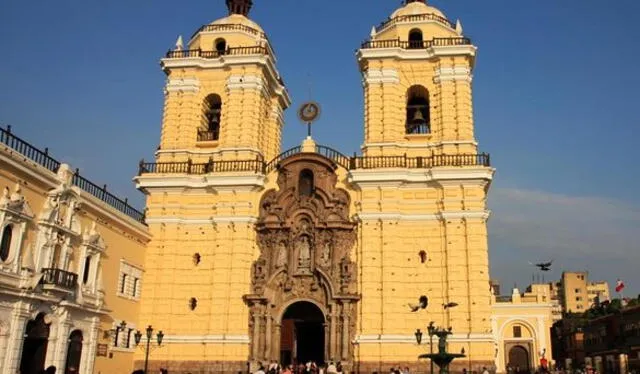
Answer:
(449, 305)
(544, 266)
(423, 302)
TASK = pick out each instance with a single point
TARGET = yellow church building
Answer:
(247, 253)
(259, 254)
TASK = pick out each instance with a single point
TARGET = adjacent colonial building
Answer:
(71, 267)
(521, 325)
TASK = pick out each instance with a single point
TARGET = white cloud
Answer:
(592, 232)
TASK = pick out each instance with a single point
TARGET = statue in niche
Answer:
(325, 255)
(304, 252)
(281, 255)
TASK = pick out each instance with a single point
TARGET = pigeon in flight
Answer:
(423, 301)
(450, 305)
(544, 266)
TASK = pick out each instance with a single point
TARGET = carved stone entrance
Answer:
(305, 238)
(302, 334)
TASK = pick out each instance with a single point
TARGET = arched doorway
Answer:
(34, 349)
(519, 359)
(302, 334)
(74, 352)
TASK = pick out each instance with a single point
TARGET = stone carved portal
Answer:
(305, 238)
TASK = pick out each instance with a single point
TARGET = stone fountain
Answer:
(442, 358)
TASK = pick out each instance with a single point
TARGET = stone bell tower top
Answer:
(239, 7)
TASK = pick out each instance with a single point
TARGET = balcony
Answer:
(59, 279)
(235, 51)
(208, 135)
(414, 44)
(349, 163)
(414, 18)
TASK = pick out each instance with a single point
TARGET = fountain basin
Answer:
(442, 359)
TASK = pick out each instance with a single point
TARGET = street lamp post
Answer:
(149, 335)
(431, 330)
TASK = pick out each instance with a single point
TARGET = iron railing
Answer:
(350, 163)
(42, 158)
(414, 18)
(232, 51)
(192, 168)
(414, 44)
(208, 136)
(59, 278)
(230, 27)
(107, 197)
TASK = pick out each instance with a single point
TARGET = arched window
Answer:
(305, 183)
(221, 46)
(5, 244)
(57, 252)
(212, 113)
(415, 39)
(418, 116)
(87, 268)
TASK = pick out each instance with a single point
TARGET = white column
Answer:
(89, 347)
(59, 344)
(15, 339)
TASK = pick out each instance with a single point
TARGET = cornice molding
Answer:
(183, 85)
(411, 339)
(374, 178)
(453, 74)
(440, 216)
(202, 339)
(381, 76)
(417, 54)
(217, 182)
(202, 220)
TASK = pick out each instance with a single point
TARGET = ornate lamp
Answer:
(160, 336)
(149, 332)
(418, 336)
(138, 337)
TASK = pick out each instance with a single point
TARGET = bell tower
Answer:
(224, 97)
(416, 71)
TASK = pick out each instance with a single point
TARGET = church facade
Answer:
(259, 255)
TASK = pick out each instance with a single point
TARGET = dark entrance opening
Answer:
(74, 352)
(34, 349)
(302, 334)
(519, 359)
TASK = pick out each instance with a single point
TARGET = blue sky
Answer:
(555, 89)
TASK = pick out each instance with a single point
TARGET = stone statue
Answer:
(281, 259)
(326, 254)
(442, 339)
(304, 252)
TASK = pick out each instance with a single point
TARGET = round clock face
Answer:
(309, 112)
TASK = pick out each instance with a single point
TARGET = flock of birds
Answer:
(423, 301)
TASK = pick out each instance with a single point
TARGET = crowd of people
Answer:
(309, 368)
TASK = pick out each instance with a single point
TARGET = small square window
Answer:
(517, 331)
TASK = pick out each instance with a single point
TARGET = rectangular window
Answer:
(130, 278)
(517, 331)
(579, 298)
(134, 293)
(577, 290)
(123, 283)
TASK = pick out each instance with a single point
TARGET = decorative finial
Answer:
(179, 44)
(373, 32)
(239, 6)
(459, 27)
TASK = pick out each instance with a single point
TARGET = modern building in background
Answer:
(71, 267)
(576, 294)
